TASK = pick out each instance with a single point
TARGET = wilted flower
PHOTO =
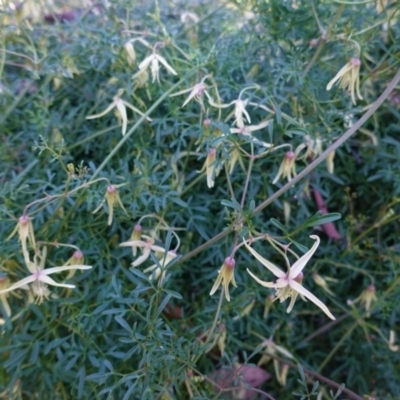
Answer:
(225, 276)
(112, 198)
(271, 349)
(40, 276)
(320, 281)
(289, 284)
(366, 298)
(349, 78)
(120, 105)
(153, 61)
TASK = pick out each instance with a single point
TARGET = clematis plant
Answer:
(288, 283)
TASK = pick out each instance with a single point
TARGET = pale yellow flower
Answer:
(226, 275)
(239, 112)
(39, 278)
(120, 106)
(287, 168)
(366, 298)
(392, 338)
(211, 167)
(248, 129)
(157, 273)
(25, 232)
(153, 61)
(147, 246)
(288, 283)
(349, 79)
(112, 198)
(197, 93)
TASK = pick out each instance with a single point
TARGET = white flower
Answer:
(289, 284)
(120, 105)
(40, 276)
(226, 275)
(146, 246)
(153, 61)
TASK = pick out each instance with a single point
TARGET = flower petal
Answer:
(298, 266)
(163, 61)
(107, 110)
(274, 269)
(50, 271)
(302, 290)
(19, 284)
(262, 283)
(50, 281)
(141, 259)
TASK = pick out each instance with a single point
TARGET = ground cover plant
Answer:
(199, 200)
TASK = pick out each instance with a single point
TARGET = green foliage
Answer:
(186, 185)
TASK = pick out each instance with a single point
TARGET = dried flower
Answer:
(40, 276)
(349, 78)
(366, 298)
(225, 276)
(289, 284)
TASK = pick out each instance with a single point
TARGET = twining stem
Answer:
(324, 39)
(246, 184)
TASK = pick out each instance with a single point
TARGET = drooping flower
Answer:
(147, 246)
(196, 92)
(211, 167)
(153, 61)
(136, 235)
(25, 232)
(226, 275)
(287, 168)
(288, 283)
(112, 198)
(120, 106)
(349, 79)
(39, 278)
(366, 298)
(77, 258)
(157, 273)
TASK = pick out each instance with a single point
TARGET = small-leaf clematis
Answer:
(226, 275)
(288, 283)
(153, 61)
(120, 105)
